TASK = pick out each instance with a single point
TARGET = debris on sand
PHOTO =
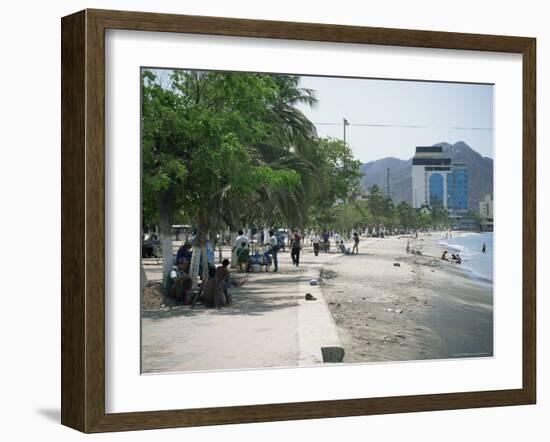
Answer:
(310, 297)
(153, 298)
(396, 264)
(313, 282)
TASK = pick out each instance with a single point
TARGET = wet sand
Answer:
(424, 308)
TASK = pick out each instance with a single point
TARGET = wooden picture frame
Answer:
(83, 220)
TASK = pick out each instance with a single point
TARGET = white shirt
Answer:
(175, 273)
(316, 239)
(240, 239)
(337, 237)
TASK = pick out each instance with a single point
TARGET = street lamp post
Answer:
(346, 123)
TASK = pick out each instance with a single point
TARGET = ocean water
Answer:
(469, 245)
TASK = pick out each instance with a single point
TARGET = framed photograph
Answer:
(268, 221)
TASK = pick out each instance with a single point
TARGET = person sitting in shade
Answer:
(222, 276)
(212, 292)
(178, 284)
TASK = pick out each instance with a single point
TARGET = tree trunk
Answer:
(204, 263)
(199, 251)
(195, 261)
(143, 278)
(165, 221)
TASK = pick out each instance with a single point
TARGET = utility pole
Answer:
(388, 182)
(346, 123)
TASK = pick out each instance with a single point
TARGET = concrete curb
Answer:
(318, 340)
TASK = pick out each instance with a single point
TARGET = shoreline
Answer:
(476, 275)
(421, 308)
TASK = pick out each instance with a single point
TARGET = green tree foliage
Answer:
(439, 217)
(225, 148)
(337, 177)
(408, 217)
(381, 208)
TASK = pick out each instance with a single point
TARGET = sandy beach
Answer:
(380, 305)
(392, 306)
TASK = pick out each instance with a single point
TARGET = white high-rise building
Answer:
(486, 207)
(486, 213)
(429, 177)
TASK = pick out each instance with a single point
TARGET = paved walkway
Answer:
(269, 324)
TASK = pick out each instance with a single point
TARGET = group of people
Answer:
(341, 247)
(245, 261)
(346, 250)
(454, 257)
(214, 290)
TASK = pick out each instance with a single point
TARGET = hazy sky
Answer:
(378, 110)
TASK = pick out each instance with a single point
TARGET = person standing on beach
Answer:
(355, 244)
(484, 248)
(295, 250)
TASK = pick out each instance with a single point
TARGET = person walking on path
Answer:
(355, 244)
(326, 241)
(273, 249)
(295, 250)
(316, 240)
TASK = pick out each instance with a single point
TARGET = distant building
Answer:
(486, 214)
(457, 188)
(437, 182)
